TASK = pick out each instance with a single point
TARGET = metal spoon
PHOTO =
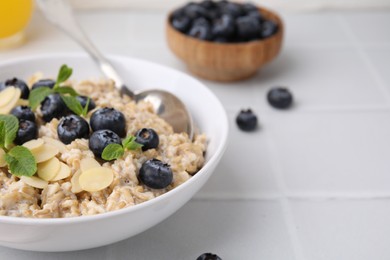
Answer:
(166, 105)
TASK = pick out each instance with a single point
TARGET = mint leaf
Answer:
(112, 151)
(11, 126)
(130, 143)
(73, 104)
(21, 162)
(38, 95)
(66, 90)
(2, 134)
(85, 109)
(64, 73)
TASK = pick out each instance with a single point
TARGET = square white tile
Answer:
(338, 152)
(340, 230)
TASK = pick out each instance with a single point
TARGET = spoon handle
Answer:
(59, 13)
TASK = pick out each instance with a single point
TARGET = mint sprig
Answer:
(68, 94)
(115, 151)
(19, 159)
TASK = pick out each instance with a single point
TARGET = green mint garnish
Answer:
(73, 104)
(8, 130)
(66, 90)
(21, 162)
(38, 95)
(85, 109)
(115, 151)
(64, 74)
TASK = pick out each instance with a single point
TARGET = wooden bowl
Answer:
(225, 61)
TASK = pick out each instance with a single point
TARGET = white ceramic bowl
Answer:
(92, 231)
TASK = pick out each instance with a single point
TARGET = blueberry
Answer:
(246, 120)
(201, 29)
(53, 107)
(17, 83)
(109, 118)
(71, 128)
(148, 138)
(268, 29)
(233, 9)
(194, 11)
(100, 139)
(155, 174)
(27, 131)
(224, 27)
(208, 256)
(181, 23)
(43, 83)
(83, 102)
(208, 4)
(248, 28)
(280, 97)
(23, 112)
(249, 7)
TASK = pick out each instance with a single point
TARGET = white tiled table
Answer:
(312, 183)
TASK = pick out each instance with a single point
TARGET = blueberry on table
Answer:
(43, 83)
(181, 23)
(27, 131)
(100, 139)
(224, 27)
(109, 118)
(17, 83)
(23, 112)
(268, 29)
(148, 138)
(248, 28)
(71, 128)
(155, 174)
(280, 98)
(53, 107)
(208, 256)
(201, 29)
(246, 120)
(83, 101)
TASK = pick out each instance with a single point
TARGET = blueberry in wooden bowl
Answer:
(222, 40)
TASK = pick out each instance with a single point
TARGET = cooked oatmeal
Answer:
(62, 199)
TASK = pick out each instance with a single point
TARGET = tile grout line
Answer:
(363, 55)
(284, 201)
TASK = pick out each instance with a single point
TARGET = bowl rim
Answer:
(277, 19)
(81, 219)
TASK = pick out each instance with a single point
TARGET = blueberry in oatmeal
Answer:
(208, 256)
(83, 101)
(280, 97)
(71, 128)
(109, 118)
(246, 120)
(53, 107)
(23, 112)
(155, 174)
(100, 139)
(148, 138)
(27, 131)
(20, 84)
(43, 83)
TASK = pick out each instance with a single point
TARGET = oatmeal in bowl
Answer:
(95, 151)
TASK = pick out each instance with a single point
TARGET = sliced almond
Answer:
(34, 182)
(7, 108)
(75, 182)
(63, 173)
(49, 169)
(34, 144)
(96, 179)
(46, 152)
(6, 96)
(88, 163)
(61, 146)
(2, 158)
(22, 102)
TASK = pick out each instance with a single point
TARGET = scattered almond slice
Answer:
(22, 102)
(34, 144)
(63, 173)
(2, 158)
(46, 152)
(96, 179)
(75, 182)
(34, 182)
(88, 163)
(6, 96)
(61, 146)
(7, 108)
(49, 169)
